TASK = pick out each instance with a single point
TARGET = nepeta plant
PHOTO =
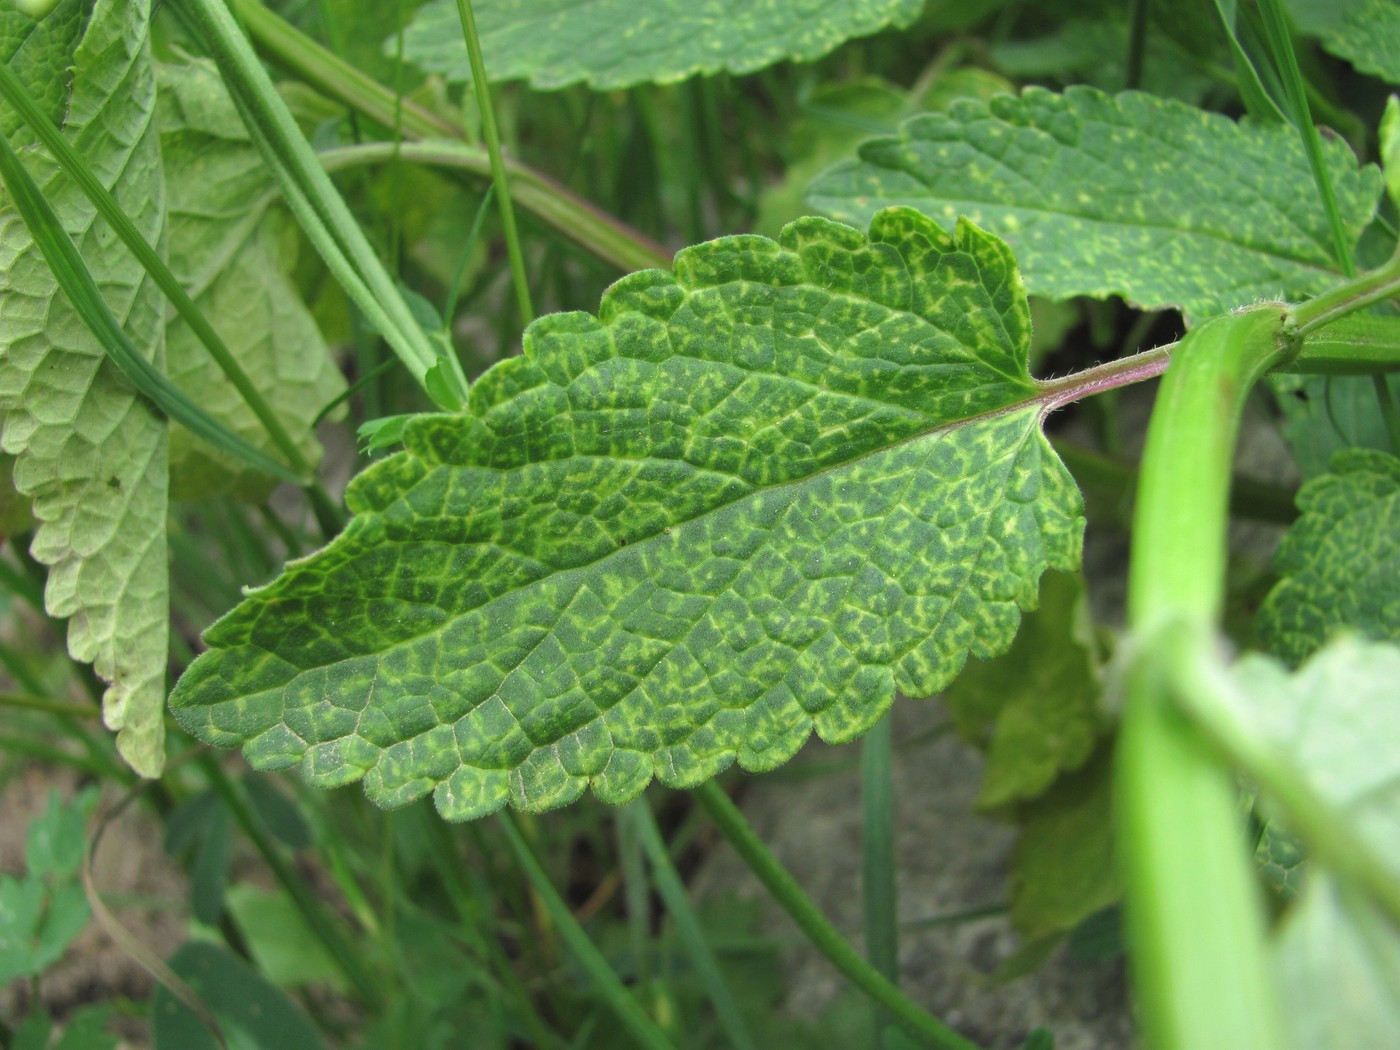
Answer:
(767, 486)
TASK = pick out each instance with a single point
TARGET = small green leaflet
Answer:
(618, 43)
(746, 501)
(1127, 195)
(90, 453)
(1340, 563)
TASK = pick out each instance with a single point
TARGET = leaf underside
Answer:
(1339, 562)
(1333, 728)
(91, 454)
(619, 43)
(1131, 195)
(233, 255)
(746, 501)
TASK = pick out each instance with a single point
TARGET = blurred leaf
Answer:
(287, 951)
(619, 43)
(1034, 710)
(1062, 867)
(1125, 195)
(58, 839)
(1338, 964)
(91, 454)
(253, 1014)
(1339, 563)
(1323, 743)
(1280, 857)
(1364, 32)
(279, 813)
(42, 911)
(1089, 45)
(1324, 414)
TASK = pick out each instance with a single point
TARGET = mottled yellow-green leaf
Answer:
(1340, 562)
(90, 453)
(1364, 32)
(1131, 195)
(744, 502)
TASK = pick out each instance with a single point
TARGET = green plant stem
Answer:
(600, 233)
(588, 956)
(1194, 919)
(367, 986)
(878, 859)
(313, 198)
(1372, 287)
(672, 890)
(23, 702)
(604, 236)
(1331, 841)
(791, 897)
(332, 75)
(499, 176)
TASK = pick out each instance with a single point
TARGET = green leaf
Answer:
(1089, 43)
(90, 453)
(1339, 563)
(1034, 710)
(1337, 960)
(1280, 857)
(1389, 147)
(1125, 195)
(747, 501)
(252, 1012)
(233, 252)
(1364, 32)
(1062, 867)
(40, 53)
(618, 43)
(1325, 414)
(1324, 744)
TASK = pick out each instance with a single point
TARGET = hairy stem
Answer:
(1195, 921)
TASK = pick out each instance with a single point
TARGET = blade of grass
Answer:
(825, 937)
(878, 861)
(499, 176)
(77, 283)
(603, 235)
(668, 883)
(311, 195)
(1257, 100)
(642, 1027)
(1280, 44)
(77, 169)
(366, 984)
